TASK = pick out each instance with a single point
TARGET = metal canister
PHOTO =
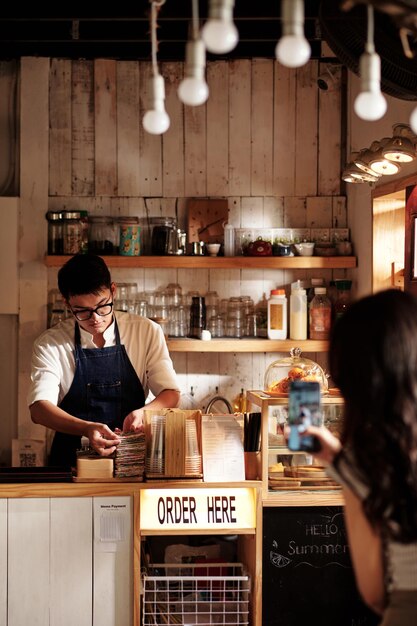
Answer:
(129, 243)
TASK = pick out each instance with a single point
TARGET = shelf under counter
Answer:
(303, 498)
(206, 262)
(184, 344)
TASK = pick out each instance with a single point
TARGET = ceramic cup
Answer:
(304, 248)
(213, 248)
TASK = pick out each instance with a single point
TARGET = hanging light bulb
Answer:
(193, 89)
(293, 49)
(370, 104)
(156, 121)
(219, 32)
(413, 120)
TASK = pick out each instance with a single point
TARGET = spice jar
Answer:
(55, 232)
(73, 232)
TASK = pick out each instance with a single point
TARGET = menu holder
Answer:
(223, 455)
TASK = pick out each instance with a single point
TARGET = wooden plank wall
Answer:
(267, 139)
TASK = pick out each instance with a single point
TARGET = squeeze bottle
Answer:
(298, 312)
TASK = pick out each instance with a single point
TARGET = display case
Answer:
(293, 478)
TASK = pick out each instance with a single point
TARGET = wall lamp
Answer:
(401, 147)
(383, 157)
(293, 49)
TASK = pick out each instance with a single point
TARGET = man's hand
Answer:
(133, 423)
(103, 440)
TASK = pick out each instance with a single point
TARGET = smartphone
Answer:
(304, 409)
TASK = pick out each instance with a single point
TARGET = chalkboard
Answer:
(307, 575)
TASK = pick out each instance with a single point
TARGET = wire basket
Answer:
(196, 594)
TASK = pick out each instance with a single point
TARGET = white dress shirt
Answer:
(53, 363)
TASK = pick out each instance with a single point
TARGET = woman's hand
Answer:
(329, 444)
(103, 440)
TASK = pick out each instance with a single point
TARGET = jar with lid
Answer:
(84, 231)
(101, 239)
(320, 314)
(163, 235)
(343, 297)
(55, 232)
(277, 314)
(73, 231)
(129, 242)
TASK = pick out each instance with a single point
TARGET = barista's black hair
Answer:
(83, 274)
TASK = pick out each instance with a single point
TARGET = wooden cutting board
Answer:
(205, 219)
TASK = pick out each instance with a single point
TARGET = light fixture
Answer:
(156, 120)
(370, 104)
(293, 49)
(353, 174)
(193, 89)
(378, 163)
(361, 160)
(219, 32)
(400, 148)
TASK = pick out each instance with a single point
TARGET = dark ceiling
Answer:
(122, 31)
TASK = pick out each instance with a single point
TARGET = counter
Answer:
(74, 550)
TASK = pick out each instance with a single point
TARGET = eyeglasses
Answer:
(86, 314)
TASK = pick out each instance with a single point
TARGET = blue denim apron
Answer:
(105, 389)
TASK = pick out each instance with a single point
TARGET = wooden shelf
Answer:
(245, 345)
(205, 262)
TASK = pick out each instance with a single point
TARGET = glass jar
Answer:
(73, 232)
(163, 235)
(101, 239)
(55, 232)
(280, 373)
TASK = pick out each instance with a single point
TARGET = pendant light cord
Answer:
(155, 6)
(195, 20)
(370, 45)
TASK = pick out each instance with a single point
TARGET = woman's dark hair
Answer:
(83, 274)
(373, 360)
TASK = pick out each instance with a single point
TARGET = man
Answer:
(91, 374)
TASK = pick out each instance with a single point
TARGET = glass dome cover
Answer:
(280, 373)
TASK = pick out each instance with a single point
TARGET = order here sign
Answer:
(205, 509)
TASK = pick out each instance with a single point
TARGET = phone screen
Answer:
(304, 409)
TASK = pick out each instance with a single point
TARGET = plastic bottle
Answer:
(314, 282)
(229, 240)
(277, 314)
(320, 314)
(298, 312)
